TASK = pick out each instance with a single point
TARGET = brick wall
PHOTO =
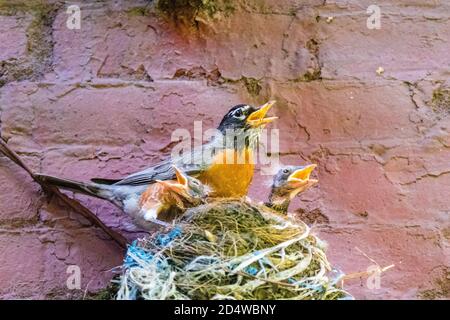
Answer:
(104, 100)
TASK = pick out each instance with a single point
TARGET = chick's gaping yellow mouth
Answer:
(303, 174)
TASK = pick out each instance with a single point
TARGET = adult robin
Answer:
(287, 184)
(225, 163)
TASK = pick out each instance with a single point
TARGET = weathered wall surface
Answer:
(104, 100)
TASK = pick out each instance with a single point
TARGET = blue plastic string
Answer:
(161, 240)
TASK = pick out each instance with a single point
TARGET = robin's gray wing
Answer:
(105, 181)
(191, 163)
(162, 171)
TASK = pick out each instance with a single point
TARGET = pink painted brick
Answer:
(110, 113)
(416, 252)
(122, 45)
(20, 196)
(342, 114)
(22, 265)
(13, 37)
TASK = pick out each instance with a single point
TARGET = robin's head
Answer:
(288, 183)
(246, 117)
(188, 188)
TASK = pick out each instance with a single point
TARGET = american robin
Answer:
(230, 169)
(287, 184)
(163, 201)
(236, 139)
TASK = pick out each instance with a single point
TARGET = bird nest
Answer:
(229, 250)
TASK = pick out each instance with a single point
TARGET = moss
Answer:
(9, 9)
(188, 10)
(213, 77)
(441, 289)
(39, 34)
(313, 46)
(39, 50)
(21, 6)
(311, 75)
(252, 85)
(440, 100)
(105, 294)
(137, 11)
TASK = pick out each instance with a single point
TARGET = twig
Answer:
(73, 204)
(362, 274)
(365, 255)
(280, 283)
(15, 158)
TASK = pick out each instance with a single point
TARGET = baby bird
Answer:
(287, 184)
(163, 201)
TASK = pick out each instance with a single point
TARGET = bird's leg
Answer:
(73, 204)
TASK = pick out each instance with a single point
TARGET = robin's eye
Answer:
(238, 113)
(285, 170)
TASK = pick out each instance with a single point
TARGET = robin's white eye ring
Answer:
(238, 114)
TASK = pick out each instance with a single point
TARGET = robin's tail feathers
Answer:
(91, 189)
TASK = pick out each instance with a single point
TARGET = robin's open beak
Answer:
(302, 175)
(180, 185)
(258, 117)
(181, 177)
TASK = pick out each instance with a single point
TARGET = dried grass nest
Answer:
(229, 250)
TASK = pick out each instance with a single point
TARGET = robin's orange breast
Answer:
(229, 174)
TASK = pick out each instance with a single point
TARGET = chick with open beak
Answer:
(166, 200)
(288, 183)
